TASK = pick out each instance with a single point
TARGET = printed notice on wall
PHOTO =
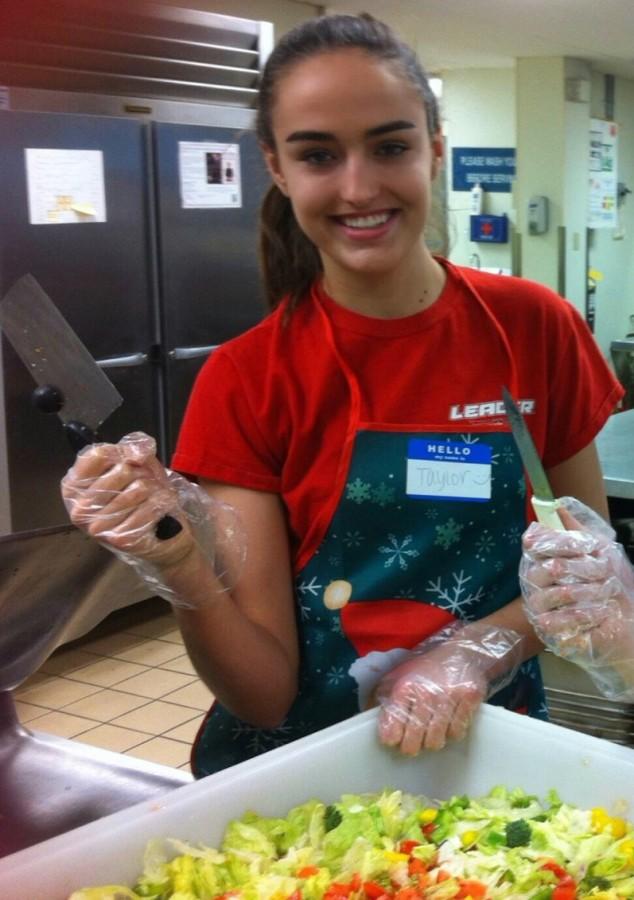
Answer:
(493, 168)
(65, 187)
(209, 175)
(603, 177)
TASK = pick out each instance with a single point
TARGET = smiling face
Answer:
(353, 154)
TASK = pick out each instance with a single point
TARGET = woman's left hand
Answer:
(578, 593)
(432, 696)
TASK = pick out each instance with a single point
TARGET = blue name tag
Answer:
(448, 470)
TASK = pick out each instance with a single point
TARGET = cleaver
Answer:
(543, 500)
(69, 381)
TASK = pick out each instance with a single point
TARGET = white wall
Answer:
(478, 109)
(575, 194)
(611, 252)
(540, 161)
(526, 107)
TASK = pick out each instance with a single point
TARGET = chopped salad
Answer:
(395, 846)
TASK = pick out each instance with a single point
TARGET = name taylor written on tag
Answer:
(440, 479)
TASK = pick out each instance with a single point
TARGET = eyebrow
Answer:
(396, 125)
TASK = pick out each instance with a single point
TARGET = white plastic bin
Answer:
(502, 748)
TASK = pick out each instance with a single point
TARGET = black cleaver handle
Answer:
(47, 398)
(80, 436)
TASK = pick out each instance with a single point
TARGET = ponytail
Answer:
(289, 261)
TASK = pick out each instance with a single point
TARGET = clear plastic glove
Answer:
(578, 590)
(118, 493)
(432, 696)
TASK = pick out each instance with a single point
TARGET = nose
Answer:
(359, 184)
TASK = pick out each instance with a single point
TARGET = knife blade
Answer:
(543, 500)
(70, 383)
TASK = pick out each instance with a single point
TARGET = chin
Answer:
(373, 267)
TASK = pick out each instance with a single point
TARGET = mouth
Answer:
(372, 220)
(367, 225)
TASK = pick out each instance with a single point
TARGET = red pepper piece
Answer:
(566, 889)
(407, 846)
(374, 890)
(472, 888)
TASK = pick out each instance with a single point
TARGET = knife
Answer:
(70, 383)
(543, 501)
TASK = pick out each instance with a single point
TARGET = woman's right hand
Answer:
(432, 695)
(118, 493)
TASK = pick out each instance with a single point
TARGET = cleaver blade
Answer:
(69, 380)
(56, 358)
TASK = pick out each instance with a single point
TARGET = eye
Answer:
(318, 156)
(391, 148)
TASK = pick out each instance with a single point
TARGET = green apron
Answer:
(427, 531)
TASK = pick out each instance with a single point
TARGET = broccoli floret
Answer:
(518, 833)
(520, 799)
(332, 818)
(596, 881)
(521, 802)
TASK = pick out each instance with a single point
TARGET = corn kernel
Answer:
(393, 856)
(626, 848)
(428, 815)
(600, 819)
(618, 827)
(468, 837)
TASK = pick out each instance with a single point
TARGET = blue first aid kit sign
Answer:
(489, 229)
(448, 470)
(493, 168)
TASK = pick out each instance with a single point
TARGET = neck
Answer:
(404, 292)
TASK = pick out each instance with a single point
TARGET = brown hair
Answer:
(290, 261)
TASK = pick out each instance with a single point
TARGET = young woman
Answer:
(358, 431)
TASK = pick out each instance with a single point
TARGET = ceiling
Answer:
(480, 33)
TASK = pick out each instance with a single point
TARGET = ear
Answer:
(438, 153)
(272, 163)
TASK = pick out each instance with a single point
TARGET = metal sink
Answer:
(49, 581)
(50, 785)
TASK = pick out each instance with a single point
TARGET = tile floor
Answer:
(127, 686)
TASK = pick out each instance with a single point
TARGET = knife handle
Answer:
(168, 527)
(80, 436)
(546, 512)
(47, 398)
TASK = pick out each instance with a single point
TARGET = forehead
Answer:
(343, 86)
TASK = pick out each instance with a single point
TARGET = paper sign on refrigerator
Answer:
(210, 175)
(65, 187)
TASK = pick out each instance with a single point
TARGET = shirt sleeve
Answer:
(583, 390)
(222, 437)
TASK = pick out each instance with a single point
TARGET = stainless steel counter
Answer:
(615, 444)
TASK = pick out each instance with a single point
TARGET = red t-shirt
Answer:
(271, 409)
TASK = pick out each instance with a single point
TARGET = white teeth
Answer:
(371, 221)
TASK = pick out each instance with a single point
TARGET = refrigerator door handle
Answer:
(192, 352)
(123, 362)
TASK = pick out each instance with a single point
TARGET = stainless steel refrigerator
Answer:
(150, 290)
(151, 276)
